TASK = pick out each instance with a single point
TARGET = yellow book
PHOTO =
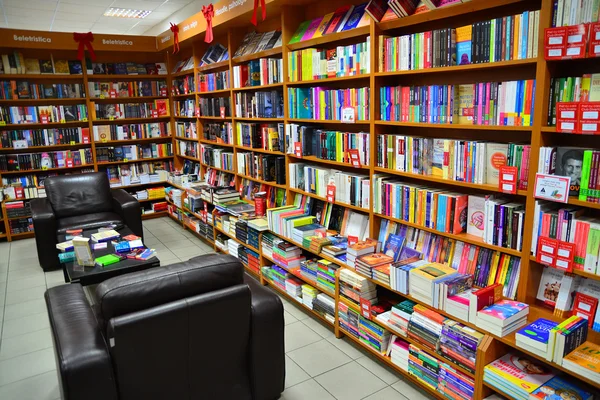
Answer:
(411, 203)
(585, 356)
(323, 25)
(520, 372)
(517, 42)
(494, 269)
(322, 104)
(586, 83)
(339, 140)
(595, 87)
(464, 111)
(504, 270)
(433, 271)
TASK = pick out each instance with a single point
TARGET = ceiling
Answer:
(85, 15)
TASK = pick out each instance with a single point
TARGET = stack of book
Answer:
(253, 260)
(454, 384)
(233, 248)
(323, 103)
(354, 287)
(424, 281)
(425, 326)
(214, 54)
(358, 249)
(367, 263)
(326, 275)
(400, 315)
(502, 317)
(288, 255)
(276, 275)
(268, 242)
(266, 71)
(516, 376)
(308, 269)
(566, 337)
(309, 295)
(535, 336)
(293, 287)
(348, 319)
(373, 335)
(458, 344)
(324, 305)
(300, 232)
(423, 367)
(255, 42)
(253, 236)
(400, 354)
(562, 386)
(584, 360)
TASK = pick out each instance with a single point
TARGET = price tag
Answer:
(44, 167)
(2, 123)
(330, 193)
(102, 96)
(508, 179)
(197, 111)
(84, 119)
(63, 121)
(104, 140)
(73, 142)
(205, 207)
(565, 256)
(154, 113)
(352, 240)
(222, 112)
(113, 94)
(241, 190)
(163, 92)
(365, 308)
(354, 158)
(348, 115)
(69, 162)
(552, 188)
(298, 149)
(44, 119)
(111, 118)
(125, 160)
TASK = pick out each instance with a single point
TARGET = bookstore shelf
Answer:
(140, 160)
(576, 202)
(217, 168)
(188, 158)
(257, 119)
(277, 185)
(296, 272)
(132, 77)
(128, 120)
(210, 117)
(154, 215)
(22, 235)
(255, 56)
(53, 77)
(497, 390)
(230, 236)
(328, 80)
(126, 99)
(552, 129)
(183, 73)
(184, 117)
(456, 126)
(486, 187)
(178, 96)
(260, 87)
(150, 200)
(24, 102)
(579, 272)
(327, 121)
(324, 161)
(420, 345)
(191, 228)
(130, 141)
(42, 148)
(31, 171)
(215, 91)
(331, 38)
(462, 68)
(70, 124)
(463, 237)
(258, 150)
(212, 66)
(137, 185)
(213, 143)
(16, 218)
(195, 140)
(339, 203)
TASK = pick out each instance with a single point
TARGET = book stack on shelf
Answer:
(259, 104)
(183, 85)
(24, 90)
(20, 139)
(145, 88)
(156, 109)
(260, 136)
(516, 375)
(216, 53)
(125, 68)
(43, 114)
(255, 42)
(265, 71)
(322, 103)
(221, 133)
(17, 63)
(149, 130)
(213, 107)
(213, 81)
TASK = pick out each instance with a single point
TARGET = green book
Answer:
(300, 32)
(107, 260)
(585, 175)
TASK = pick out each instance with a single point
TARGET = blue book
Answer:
(303, 103)
(559, 388)
(355, 17)
(393, 246)
(536, 334)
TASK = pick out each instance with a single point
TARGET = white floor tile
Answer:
(384, 373)
(23, 344)
(21, 296)
(40, 387)
(22, 273)
(26, 366)
(409, 390)
(179, 244)
(347, 346)
(307, 390)
(24, 263)
(299, 335)
(26, 283)
(350, 382)
(325, 331)
(386, 394)
(151, 241)
(55, 276)
(30, 323)
(188, 252)
(24, 309)
(295, 310)
(293, 373)
(318, 358)
(289, 318)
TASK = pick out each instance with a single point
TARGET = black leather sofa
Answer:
(200, 329)
(79, 201)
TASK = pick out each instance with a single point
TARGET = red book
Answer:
(585, 306)
(376, 9)
(482, 298)
(337, 19)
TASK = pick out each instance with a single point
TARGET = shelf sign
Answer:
(508, 179)
(44, 167)
(222, 110)
(330, 193)
(556, 253)
(113, 94)
(354, 158)
(44, 119)
(73, 142)
(163, 92)
(365, 308)
(352, 240)
(63, 121)
(69, 162)
(552, 188)
(348, 115)
(154, 113)
(298, 149)
(197, 111)
(84, 119)
(2, 123)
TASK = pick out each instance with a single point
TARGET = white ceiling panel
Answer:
(20, 22)
(69, 8)
(105, 3)
(137, 4)
(48, 5)
(71, 26)
(24, 12)
(66, 17)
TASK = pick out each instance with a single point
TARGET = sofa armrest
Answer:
(129, 209)
(82, 356)
(267, 347)
(44, 224)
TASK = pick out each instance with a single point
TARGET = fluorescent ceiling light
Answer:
(126, 13)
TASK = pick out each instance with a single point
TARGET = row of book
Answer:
(574, 12)
(213, 81)
(265, 71)
(51, 159)
(275, 197)
(183, 85)
(189, 149)
(123, 68)
(328, 144)
(185, 108)
(485, 103)
(186, 129)
(138, 173)
(264, 167)
(459, 160)
(155, 109)
(214, 54)
(350, 188)
(133, 152)
(254, 42)
(260, 136)
(578, 163)
(311, 64)
(43, 137)
(217, 157)
(218, 132)
(214, 107)
(259, 104)
(572, 89)
(20, 90)
(343, 19)
(16, 63)
(149, 130)
(145, 88)
(218, 178)
(320, 103)
(43, 114)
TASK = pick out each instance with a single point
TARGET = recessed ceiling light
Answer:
(126, 13)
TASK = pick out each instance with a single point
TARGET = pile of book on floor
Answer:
(354, 287)
(324, 305)
(326, 275)
(523, 378)
(503, 317)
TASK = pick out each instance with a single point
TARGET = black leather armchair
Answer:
(79, 201)
(200, 329)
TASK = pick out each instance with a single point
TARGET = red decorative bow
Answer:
(209, 13)
(264, 11)
(84, 40)
(175, 30)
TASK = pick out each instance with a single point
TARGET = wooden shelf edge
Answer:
(460, 68)
(331, 38)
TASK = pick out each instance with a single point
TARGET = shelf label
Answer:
(44, 119)
(44, 167)
(205, 207)
(354, 158)
(111, 117)
(69, 163)
(552, 188)
(102, 96)
(365, 308)
(565, 256)
(84, 119)
(352, 240)
(508, 179)
(125, 160)
(222, 110)
(154, 113)
(298, 149)
(113, 94)
(163, 92)
(348, 115)
(330, 193)
(73, 142)
(63, 121)
(2, 123)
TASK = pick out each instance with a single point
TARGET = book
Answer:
(297, 36)
(519, 373)
(496, 157)
(561, 387)
(376, 9)
(569, 162)
(476, 216)
(463, 45)
(483, 297)
(355, 17)
(536, 334)
(549, 287)
(502, 313)
(339, 19)
(584, 360)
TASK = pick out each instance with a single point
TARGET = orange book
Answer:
(375, 259)
(434, 316)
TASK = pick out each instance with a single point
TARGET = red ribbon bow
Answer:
(264, 11)
(175, 30)
(84, 40)
(209, 13)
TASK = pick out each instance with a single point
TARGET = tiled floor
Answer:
(316, 369)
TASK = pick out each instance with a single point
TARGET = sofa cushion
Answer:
(150, 288)
(79, 194)
(88, 221)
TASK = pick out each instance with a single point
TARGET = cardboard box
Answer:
(567, 117)
(555, 43)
